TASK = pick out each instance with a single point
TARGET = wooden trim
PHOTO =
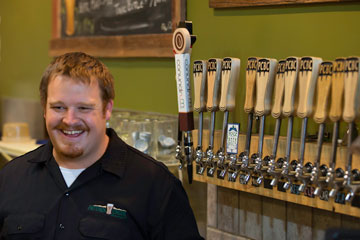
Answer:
(55, 31)
(155, 45)
(252, 3)
(145, 45)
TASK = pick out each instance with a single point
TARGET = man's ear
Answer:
(108, 109)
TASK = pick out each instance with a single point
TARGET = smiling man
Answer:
(86, 183)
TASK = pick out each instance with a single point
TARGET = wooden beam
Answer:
(252, 3)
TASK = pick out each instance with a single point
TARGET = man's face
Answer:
(75, 119)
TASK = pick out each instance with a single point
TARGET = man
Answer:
(86, 183)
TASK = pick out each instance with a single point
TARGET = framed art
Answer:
(252, 3)
(115, 28)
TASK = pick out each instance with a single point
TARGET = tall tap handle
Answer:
(182, 41)
(337, 89)
(214, 80)
(229, 81)
(200, 85)
(308, 73)
(351, 89)
(250, 84)
(291, 81)
(323, 90)
(264, 85)
(279, 89)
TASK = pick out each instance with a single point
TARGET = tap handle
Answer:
(308, 73)
(250, 84)
(214, 80)
(292, 66)
(323, 90)
(200, 91)
(351, 89)
(337, 89)
(278, 89)
(229, 81)
(182, 42)
(264, 85)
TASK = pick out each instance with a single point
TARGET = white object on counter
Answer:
(14, 149)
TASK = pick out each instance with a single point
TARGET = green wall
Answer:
(326, 31)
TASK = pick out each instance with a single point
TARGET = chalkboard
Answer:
(115, 17)
(115, 28)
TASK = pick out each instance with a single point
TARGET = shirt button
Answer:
(19, 228)
(67, 194)
(61, 226)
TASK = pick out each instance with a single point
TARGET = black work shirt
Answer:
(148, 202)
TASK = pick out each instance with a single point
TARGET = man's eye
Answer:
(85, 108)
(58, 108)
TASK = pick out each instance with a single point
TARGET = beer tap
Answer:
(212, 105)
(317, 176)
(178, 151)
(276, 113)
(350, 114)
(264, 87)
(229, 81)
(200, 85)
(249, 109)
(282, 167)
(335, 114)
(308, 73)
(182, 44)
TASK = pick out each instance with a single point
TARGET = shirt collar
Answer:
(115, 156)
(113, 160)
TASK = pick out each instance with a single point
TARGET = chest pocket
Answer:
(23, 226)
(104, 228)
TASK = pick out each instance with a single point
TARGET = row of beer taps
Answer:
(305, 87)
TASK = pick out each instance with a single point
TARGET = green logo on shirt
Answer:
(109, 209)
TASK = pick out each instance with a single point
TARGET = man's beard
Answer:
(69, 150)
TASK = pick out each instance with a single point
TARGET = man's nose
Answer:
(70, 117)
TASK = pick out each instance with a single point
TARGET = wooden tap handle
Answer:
(278, 89)
(337, 90)
(323, 90)
(264, 85)
(229, 80)
(200, 85)
(214, 79)
(351, 89)
(250, 84)
(308, 73)
(290, 86)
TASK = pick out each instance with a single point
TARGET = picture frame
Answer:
(157, 45)
(252, 3)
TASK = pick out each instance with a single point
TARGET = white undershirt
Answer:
(70, 175)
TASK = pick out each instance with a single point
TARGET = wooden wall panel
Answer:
(228, 210)
(212, 205)
(323, 220)
(299, 222)
(250, 215)
(274, 219)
